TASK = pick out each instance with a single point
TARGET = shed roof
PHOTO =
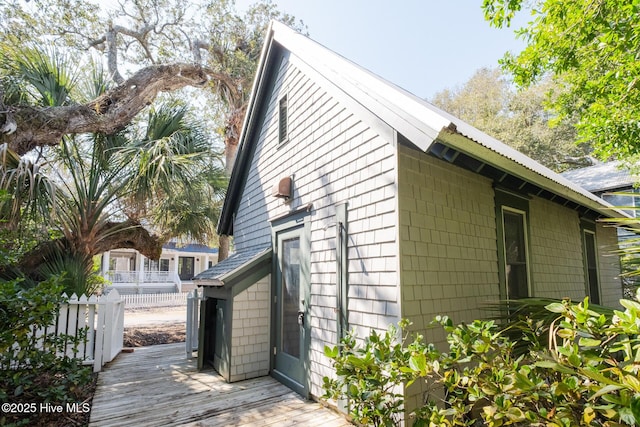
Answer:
(252, 263)
(402, 117)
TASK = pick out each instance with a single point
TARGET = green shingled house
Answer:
(354, 203)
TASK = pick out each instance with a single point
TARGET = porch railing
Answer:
(153, 279)
(158, 276)
(175, 299)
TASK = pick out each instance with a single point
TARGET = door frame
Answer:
(300, 222)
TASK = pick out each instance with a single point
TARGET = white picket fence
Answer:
(102, 318)
(155, 300)
(193, 322)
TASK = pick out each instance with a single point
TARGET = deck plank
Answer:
(157, 385)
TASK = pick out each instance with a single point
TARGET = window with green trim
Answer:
(513, 245)
(515, 254)
(590, 255)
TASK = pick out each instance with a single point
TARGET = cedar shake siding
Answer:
(608, 266)
(333, 157)
(557, 264)
(251, 331)
(420, 194)
(448, 252)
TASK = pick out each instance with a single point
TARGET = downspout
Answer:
(342, 270)
(342, 285)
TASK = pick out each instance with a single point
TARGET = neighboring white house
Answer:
(131, 272)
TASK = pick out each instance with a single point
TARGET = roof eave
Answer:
(566, 189)
(236, 180)
(231, 283)
(209, 282)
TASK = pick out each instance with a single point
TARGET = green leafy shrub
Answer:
(585, 372)
(372, 376)
(36, 370)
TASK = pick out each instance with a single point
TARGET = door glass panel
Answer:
(291, 296)
(515, 254)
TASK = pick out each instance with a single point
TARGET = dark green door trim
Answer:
(296, 226)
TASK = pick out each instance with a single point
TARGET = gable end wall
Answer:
(333, 157)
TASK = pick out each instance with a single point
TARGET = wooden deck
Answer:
(158, 386)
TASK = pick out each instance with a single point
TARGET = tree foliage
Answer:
(371, 376)
(35, 371)
(518, 118)
(148, 47)
(584, 372)
(590, 48)
(158, 178)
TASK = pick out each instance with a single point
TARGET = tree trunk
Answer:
(123, 235)
(109, 113)
(223, 248)
(232, 138)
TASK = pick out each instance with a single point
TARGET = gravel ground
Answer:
(161, 325)
(155, 316)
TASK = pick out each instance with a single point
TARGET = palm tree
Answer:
(155, 180)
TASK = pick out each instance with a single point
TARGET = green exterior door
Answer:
(291, 311)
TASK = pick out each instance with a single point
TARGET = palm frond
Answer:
(47, 76)
(74, 271)
(527, 321)
(31, 191)
(170, 153)
(98, 83)
(190, 213)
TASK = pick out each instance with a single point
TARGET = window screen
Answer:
(515, 249)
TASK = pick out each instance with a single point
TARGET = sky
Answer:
(423, 46)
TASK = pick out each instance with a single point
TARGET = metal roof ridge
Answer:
(368, 82)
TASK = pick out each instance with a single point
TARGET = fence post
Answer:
(83, 325)
(91, 323)
(117, 327)
(107, 306)
(72, 324)
(99, 338)
(193, 321)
